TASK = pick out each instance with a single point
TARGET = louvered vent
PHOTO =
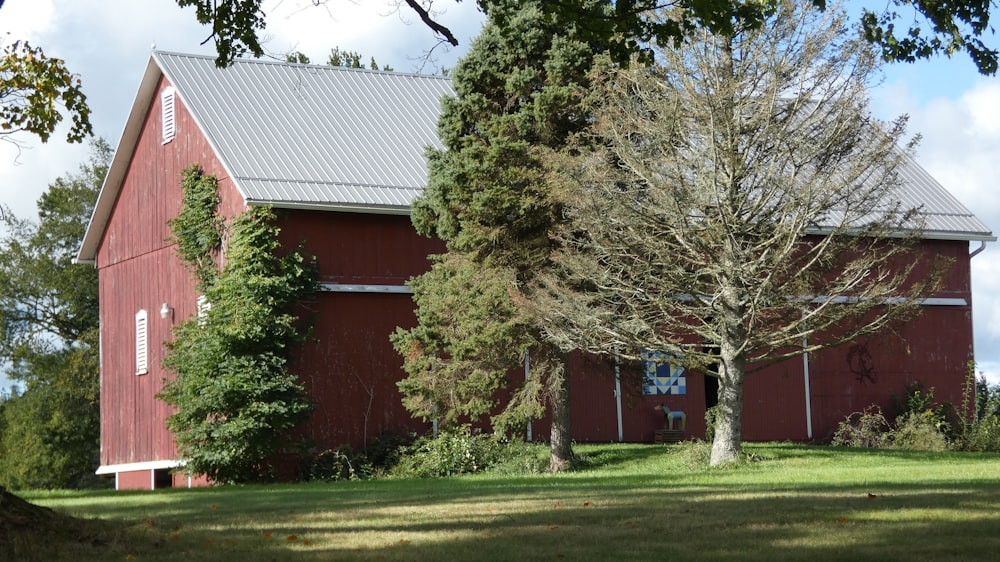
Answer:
(141, 343)
(167, 111)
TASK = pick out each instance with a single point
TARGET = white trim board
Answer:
(360, 288)
(137, 466)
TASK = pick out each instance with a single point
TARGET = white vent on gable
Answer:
(141, 343)
(167, 114)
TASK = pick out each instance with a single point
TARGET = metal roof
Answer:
(944, 215)
(307, 135)
(323, 137)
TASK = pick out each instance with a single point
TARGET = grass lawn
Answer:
(630, 502)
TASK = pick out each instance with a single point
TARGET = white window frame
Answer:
(141, 342)
(168, 114)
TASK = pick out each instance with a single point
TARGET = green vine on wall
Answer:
(197, 229)
(235, 397)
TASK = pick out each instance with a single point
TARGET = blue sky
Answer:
(107, 42)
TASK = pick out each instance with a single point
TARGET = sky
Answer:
(955, 110)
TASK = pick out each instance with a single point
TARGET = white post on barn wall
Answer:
(527, 377)
(805, 375)
(618, 395)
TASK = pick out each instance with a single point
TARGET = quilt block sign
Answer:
(660, 376)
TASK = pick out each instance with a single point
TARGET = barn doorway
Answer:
(711, 389)
(162, 478)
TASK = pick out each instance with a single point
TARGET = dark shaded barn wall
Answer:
(352, 370)
(138, 270)
(933, 350)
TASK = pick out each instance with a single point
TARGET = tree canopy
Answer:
(733, 205)
(35, 92)
(48, 337)
(339, 57)
(904, 30)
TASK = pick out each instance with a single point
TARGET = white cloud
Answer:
(26, 19)
(960, 147)
(989, 370)
(390, 33)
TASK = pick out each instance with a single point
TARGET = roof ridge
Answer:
(328, 67)
(330, 182)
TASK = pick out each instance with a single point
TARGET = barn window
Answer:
(141, 343)
(167, 114)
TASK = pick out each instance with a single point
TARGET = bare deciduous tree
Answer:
(741, 200)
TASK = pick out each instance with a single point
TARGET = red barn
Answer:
(341, 152)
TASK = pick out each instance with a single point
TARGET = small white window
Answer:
(167, 112)
(141, 343)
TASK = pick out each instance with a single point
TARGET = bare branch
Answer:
(425, 17)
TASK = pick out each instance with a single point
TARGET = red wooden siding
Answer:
(351, 372)
(355, 248)
(932, 349)
(139, 270)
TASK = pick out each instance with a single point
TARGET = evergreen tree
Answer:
(236, 399)
(519, 87)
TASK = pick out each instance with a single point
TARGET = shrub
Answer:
(330, 465)
(462, 451)
(711, 415)
(979, 426)
(983, 435)
(921, 424)
(919, 432)
(344, 463)
(384, 452)
(867, 428)
(918, 400)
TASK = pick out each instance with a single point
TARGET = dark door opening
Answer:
(162, 479)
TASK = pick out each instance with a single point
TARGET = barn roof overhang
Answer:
(108, 194)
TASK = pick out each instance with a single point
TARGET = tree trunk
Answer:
(728, 440)
(561, 447)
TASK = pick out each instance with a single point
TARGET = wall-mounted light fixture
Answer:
(166, 311)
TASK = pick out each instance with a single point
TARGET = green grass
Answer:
(629, 502)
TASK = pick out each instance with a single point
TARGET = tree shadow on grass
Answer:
(601, 522)
(594, 515)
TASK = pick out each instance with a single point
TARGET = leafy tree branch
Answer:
(35, 92)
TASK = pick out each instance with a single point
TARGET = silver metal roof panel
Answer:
(293, 134)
